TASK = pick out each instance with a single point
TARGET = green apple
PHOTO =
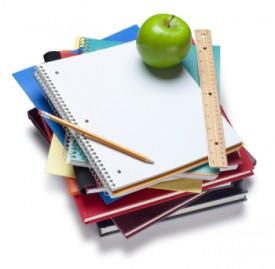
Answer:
(163, 40)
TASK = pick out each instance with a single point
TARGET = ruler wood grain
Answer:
(212, 112)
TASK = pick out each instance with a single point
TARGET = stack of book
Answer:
(104, 87)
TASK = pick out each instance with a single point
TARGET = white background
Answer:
(40, 227)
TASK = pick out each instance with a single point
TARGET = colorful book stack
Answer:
(103, 86)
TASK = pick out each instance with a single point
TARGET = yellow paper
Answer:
(77, 42)
(56, 164)
(189, 185)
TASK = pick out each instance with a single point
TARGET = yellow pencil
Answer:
(96, 138)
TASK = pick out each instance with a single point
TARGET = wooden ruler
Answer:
(211, 105)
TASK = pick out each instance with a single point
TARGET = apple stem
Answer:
(169, 23)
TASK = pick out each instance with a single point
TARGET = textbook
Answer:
(157, 112)
(133, 223)
(228, 195)
(93, 209)
(39, 124)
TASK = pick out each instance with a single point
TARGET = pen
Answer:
(96, 138)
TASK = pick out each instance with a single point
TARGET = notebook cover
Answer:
(234, 158)
(251, 157)
(72, 186)
(52, 56)
(85, 180)
(108, 227)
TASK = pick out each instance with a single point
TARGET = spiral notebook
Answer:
(155, 112)
(75, 154)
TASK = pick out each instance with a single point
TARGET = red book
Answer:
(245, 169)
(132, 223)
(233, 159)
(38, 122)
(93, 209)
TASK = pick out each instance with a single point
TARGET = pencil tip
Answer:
(150, 161)
(44, 114)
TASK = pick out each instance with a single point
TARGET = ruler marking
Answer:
(212, 113)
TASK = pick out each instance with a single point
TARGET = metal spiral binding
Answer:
(43, 86)
(75, 148)
(84, 44)
(60, 109)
